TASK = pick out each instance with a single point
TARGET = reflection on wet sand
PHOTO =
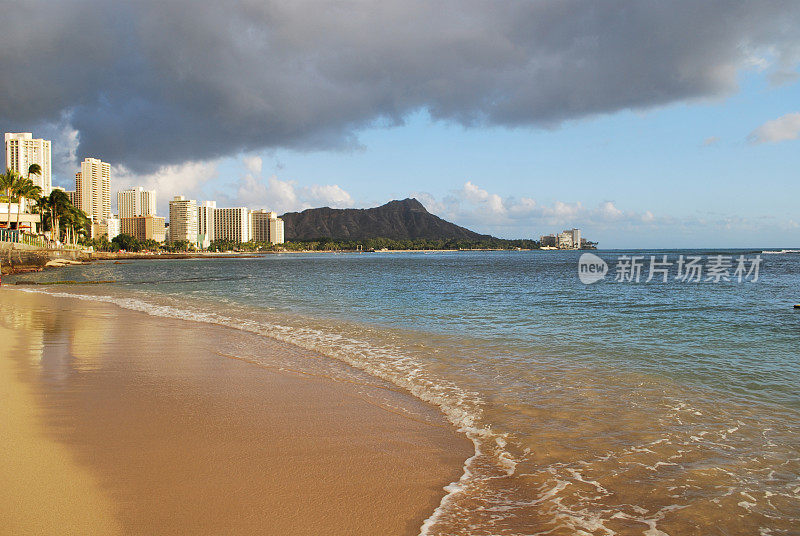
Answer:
(177, 439)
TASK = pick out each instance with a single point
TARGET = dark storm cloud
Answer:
(151, 83)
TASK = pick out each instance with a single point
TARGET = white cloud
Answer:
(614, 226)
(610, 212)
(331, 195)
(253, 164)
(491, 202)
(484, 211)
(786, 127)
(282, 196)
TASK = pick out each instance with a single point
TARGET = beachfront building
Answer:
(205, 223)
(93, 192)
(9, 215)
(136, 202)
(568, 239)
(144, 227)
(113, 227)
(266, 226)
(22, 151)
(93, 189)
(183, 220)
(110, 227)
(232, 224)
(576, 237)
(276, 231)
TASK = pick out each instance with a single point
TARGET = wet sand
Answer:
(117, 422)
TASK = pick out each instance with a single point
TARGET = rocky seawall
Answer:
(16, 258)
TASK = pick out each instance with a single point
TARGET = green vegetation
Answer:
(124, 242)
(128, 243)
(59, 214)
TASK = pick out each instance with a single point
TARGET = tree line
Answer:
(124, 242)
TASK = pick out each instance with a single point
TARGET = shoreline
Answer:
(144, 420)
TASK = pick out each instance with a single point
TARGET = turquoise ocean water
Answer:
(612, 408)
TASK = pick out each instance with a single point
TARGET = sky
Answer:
(644, 123)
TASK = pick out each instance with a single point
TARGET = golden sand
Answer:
(115, 421)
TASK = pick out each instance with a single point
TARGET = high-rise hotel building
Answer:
(93, 189)
(144, 227)
(183, 220)
(23, 150)
(205, 224)
(232, 224)
(136, 202)
(266, 226)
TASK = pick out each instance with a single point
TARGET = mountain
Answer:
(397, 220)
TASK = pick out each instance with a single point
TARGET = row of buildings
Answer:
(189, 221)
(201, 224)
(568, 239)
(197, 224)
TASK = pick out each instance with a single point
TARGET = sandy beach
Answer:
(117, 422)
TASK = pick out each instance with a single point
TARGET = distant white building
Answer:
(266, 226)
(276, 231)
(23, 150)
(576, 238)
(112, 227)
(569, 239)
(136, 202)
(205, 223)
(232, 224)
(183, 220)
(109, 227)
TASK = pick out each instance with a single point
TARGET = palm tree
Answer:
(25, 189)
(42, 208)
(8, 181)
(58, 203)
(76, 223)
(34, 169)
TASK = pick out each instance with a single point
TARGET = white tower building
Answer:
(232, 224)
(205, 223)
(136, 202)
(93, 189)
(23, 150)
(183, 220)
